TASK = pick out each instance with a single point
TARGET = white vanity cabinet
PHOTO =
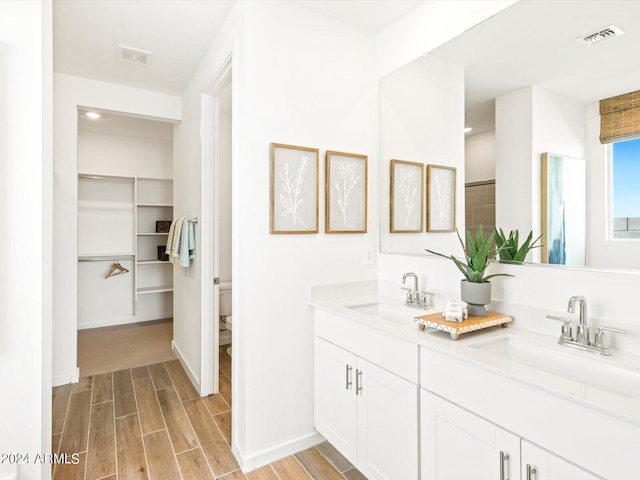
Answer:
(363, 409)
(539, 464)
(456, 444)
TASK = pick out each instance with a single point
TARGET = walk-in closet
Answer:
(125, 208)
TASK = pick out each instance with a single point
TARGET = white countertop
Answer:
(625, 405)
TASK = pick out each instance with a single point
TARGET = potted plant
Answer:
(475, 288)
(508, 249)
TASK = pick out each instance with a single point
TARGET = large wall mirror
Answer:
(527, 86)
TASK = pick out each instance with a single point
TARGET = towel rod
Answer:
(109, 178)
(104, 258)
(193, 220)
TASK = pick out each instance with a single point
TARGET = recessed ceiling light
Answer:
(468, 129)
(93, 115)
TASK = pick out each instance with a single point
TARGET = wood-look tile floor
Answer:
(149, 423)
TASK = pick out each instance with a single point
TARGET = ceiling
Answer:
(177, 33)
(86, 34)
(534, 43)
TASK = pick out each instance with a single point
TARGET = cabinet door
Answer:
(457, 444)
(335, 398)
(540, 464)
(387, 424)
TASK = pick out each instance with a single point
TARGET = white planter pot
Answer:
(476, 296)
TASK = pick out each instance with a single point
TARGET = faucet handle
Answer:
(566, 326)
(610, 329)
(599, 337)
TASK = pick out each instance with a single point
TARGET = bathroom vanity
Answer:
(403, 403)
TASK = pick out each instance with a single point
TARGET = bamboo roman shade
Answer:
(620, 117)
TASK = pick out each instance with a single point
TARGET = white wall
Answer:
(480, 157)
(294, 101)
(25, 229)
(70, 93)
(131, 156)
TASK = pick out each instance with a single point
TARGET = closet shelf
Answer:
(151, 234)
(163, 205)
(151, 262)
(160, 289)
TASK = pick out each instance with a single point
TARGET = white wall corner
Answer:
(73, 377)
(187, 368)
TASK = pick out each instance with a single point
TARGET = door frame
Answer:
(209, 134)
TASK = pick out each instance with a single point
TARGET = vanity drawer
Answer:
(391, 353)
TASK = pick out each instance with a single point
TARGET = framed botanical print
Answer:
(441, 198)
(407, 180)
(294, 189)
(346, 193)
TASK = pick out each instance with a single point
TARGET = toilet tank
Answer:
(225, 299)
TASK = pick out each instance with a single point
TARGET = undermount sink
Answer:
(594, 372)
(392, 313)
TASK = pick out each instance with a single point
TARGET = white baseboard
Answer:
(251, 462)
(125, 320)
(187, 367)
(64, 379)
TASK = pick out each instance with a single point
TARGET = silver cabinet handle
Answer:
(348, 376)
(531, 472)
(504, 459)
(358, 382)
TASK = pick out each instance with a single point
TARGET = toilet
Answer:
(225, 315)
(229, 327)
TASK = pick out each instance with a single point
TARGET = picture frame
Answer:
(441, 198)
(346, 192)
(406, 197)
(294, 189)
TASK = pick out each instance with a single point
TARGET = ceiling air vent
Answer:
(133, 55)
(602, 34)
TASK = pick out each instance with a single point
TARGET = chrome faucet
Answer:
(415, 298)
(582, 331)
(411, 294)
(581, 339)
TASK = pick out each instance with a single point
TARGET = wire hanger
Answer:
(116, 269)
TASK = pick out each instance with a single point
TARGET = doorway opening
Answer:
(125, 206)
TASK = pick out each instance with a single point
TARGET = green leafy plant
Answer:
(478, 255)
(509, 249)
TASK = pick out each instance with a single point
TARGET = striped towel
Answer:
(173, 240)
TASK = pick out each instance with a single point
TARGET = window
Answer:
(625, 189)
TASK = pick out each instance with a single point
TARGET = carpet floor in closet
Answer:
(108, 349)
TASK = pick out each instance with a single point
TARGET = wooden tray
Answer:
(437, 321)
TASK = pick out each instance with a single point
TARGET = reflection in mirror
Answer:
(563, 210)
(421, 121)
(525, 94)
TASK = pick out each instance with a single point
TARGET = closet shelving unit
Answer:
(116, 222)
(154, 201)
